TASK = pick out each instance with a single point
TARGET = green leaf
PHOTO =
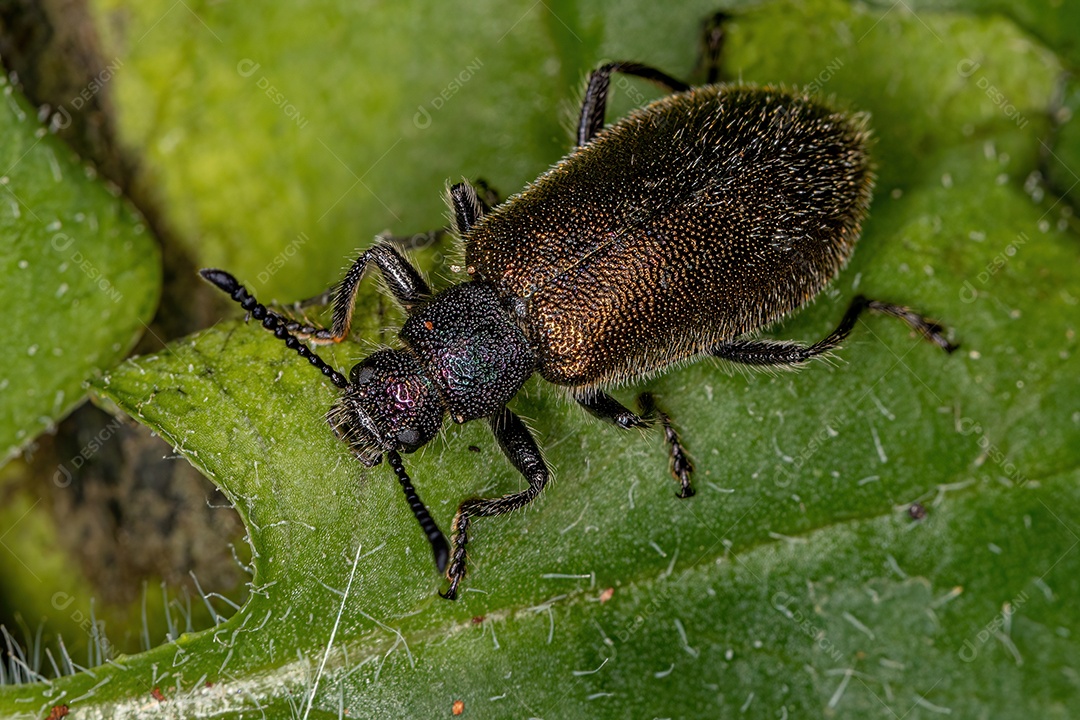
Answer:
(795, 583)
(80, 273)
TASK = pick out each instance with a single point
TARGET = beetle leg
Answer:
(468, 201)
(321, 300)
(402, 279)
(773, 352)
(591, 118)
(713, 44)
(605, 407)
(304, 331)
(681, 467)
(468, 208)
(295, 320)
(489, 196)
(520, 448)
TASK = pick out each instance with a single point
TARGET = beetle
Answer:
(676, 232)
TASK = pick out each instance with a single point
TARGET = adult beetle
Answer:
(675, 232)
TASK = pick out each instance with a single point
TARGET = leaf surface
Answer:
(795, 582)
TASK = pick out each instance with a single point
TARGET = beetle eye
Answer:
(408, 438)
(362, 374)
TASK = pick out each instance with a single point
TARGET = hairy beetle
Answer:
(673, 233)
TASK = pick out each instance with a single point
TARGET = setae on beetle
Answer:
(674, 233)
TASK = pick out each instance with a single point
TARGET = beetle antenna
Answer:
(434, 535)
(271, 321)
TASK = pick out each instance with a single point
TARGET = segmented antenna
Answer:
(276, 324)
(271, 321)
(438, 541)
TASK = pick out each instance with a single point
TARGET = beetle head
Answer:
(389, 405)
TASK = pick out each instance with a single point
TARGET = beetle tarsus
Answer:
(679, 464)
(456, 570)
(681, 467)
(603, 406)
(929, 329)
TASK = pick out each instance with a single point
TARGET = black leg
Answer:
(469, 203)
(467, 207)
(302, 327)
(489, 196)
(680, 465)
(774, 352)
(605, 407)
(713, 45)
(518, 444)
(591, 119)
(295, 319)
(403, 280)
